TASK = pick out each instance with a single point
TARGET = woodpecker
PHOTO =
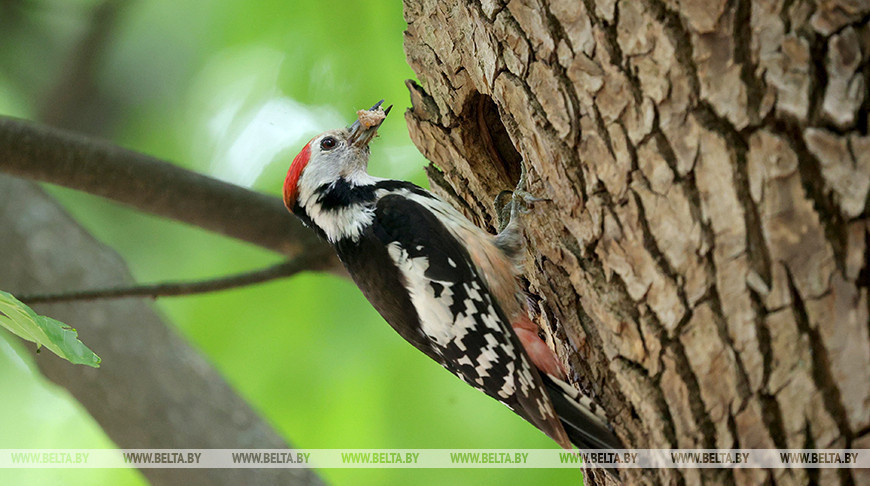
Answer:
(446, 286)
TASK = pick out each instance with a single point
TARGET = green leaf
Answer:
(44, 331)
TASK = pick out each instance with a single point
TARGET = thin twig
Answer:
(174, 289)
(41, 153)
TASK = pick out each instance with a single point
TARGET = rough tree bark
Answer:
(703, 263)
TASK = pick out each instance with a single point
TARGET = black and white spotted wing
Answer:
(448, 312)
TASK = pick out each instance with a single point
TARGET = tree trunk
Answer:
(702, 266)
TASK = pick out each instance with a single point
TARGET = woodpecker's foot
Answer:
(520, 193)
(510, 207)
(525, 202)
(510, 204)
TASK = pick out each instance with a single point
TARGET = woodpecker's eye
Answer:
(327, 143)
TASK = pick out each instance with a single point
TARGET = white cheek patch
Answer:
(338, 223)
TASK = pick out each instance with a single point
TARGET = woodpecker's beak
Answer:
(360, 134)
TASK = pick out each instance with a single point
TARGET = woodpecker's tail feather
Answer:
(586, 427)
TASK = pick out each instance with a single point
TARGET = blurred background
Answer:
(234, 88)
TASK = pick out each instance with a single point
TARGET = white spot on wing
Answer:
(435, 317)
(509, 387)
(487, 358)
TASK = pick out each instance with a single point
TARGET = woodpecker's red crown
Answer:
(293, 173)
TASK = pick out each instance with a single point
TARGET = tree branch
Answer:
(152, 390)
(301, 263)
(60, 157)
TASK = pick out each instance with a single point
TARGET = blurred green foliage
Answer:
(234, 88)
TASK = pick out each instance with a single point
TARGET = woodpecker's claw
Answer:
(522, 200)
(528, 200)
(510, 204)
